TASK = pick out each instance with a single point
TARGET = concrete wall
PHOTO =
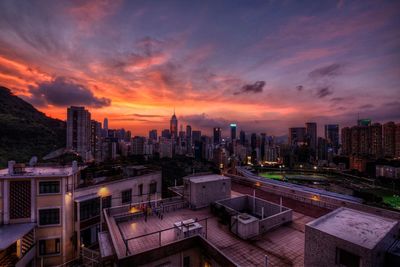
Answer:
(275, 220)
(320, 249)
(115, 188)
(203, 194)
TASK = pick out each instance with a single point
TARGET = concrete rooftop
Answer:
(39, 172)
(357, 227)
(284, 245)
(207, 178)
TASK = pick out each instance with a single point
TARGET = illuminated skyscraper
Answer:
(173, 126)
(233, 131)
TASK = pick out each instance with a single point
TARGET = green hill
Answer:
(25, 131)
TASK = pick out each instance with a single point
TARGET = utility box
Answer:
(245, 225)
(201, 190)
(187, 228)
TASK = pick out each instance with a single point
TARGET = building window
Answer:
(186, 261)
(49, 216)
(126, 196)
(49, 187)
(153, 187)
(49, 246)
(20, 199)
(89, 235)
(140, 189)
(106, 202)
(89, 209)
(347, 259)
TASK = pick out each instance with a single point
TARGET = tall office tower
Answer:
(78, 131)
(166, 134)
(389, 139)
(311, 131)
(297, 135)
(233, 131)
(262, 146)
(360, 140)
(173, 126)
(105, 124)
(332, 136)
(242, 136)
(375, 142)
(253, 141)
(138, 143)
(196, 136)
(95, 139)
(188, 137)
(346, 141)
(397, 141)
(153, 135)
(322, 152)
(217, 135)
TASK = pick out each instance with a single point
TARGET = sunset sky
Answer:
(266, 65)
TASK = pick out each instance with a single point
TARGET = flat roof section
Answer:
(361, 228)
(39, 172)
(207, 178)
(10, 233)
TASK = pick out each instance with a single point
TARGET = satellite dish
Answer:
(33, 161)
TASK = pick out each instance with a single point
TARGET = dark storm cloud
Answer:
(323, 92)
(326, 71)
(256, 87)
(63, 92)
(300, 88)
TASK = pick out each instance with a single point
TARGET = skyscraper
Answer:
(105, 124)
(166, 134)
(196, 136)
(297, 135)
(233, 131)
(189, 138)
(153, 135)
(79, 131)
(217, 135)
(397, 141)
(242, 137)
(173, 126)
(346, 141)
(95, 139)
(389, 139)
(375, 133)
(332, 136)
(311, 129)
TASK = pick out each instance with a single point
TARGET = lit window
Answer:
(49, 246)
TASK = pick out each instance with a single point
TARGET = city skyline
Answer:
(266, 66)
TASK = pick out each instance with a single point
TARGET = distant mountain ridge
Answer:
(25, 131)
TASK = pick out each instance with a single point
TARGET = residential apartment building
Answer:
(47, 213)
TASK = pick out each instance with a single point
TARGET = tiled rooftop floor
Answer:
(284, 246)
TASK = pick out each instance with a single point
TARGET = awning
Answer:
(10, 233)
